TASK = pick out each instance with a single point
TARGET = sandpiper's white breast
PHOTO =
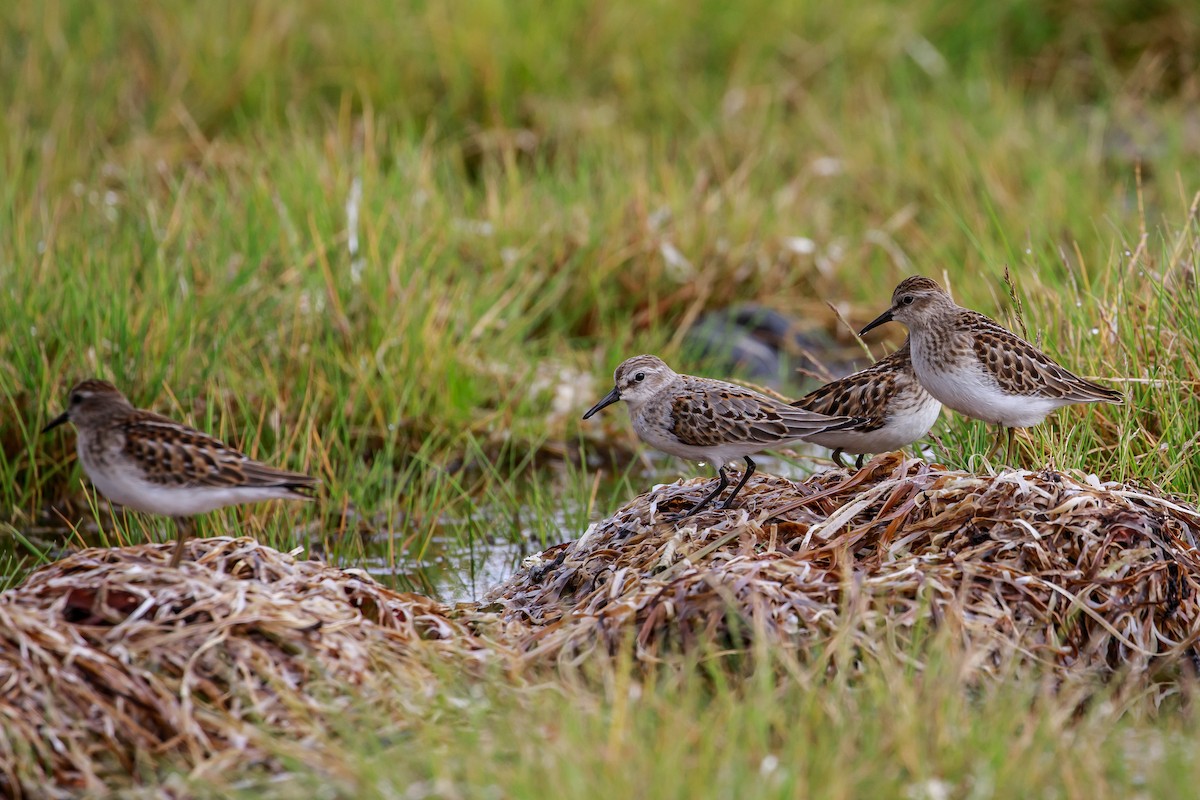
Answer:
(903, 427)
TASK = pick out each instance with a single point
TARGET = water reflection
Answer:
(454, 573)
(465, 558)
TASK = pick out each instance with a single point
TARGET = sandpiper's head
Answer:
(90, 400)
(636, 381)
(917, 300)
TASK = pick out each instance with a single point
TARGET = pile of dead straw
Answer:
(1060, 570)
(111, 662)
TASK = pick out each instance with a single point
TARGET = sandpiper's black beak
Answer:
(54, 423)
(875, 323)
(608, 400)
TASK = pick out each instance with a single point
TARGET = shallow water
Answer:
(453, 573)
(453, 566)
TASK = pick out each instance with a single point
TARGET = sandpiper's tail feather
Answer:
(299, 485)
(1095, 393)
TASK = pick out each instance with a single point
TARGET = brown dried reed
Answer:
(1061, 570)
(111, 661)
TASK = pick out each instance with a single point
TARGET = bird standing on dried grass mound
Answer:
(151, 463)
(980, 369)
(894, 407)
(707, 420)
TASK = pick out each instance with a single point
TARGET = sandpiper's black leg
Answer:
(837, 458)
(711, 495)
(858, 461)
(182, 529)
(745, 477)
(999, 440)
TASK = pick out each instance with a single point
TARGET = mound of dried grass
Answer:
(111, 661)
(1057, 569)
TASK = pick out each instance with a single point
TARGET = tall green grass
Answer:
(377, 241)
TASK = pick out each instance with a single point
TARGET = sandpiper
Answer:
(707, 420)
(893, 406)
(150, 463)
(980, 369)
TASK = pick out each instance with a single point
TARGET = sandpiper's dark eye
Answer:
(76, 399)
(641, 376)
(907, 300)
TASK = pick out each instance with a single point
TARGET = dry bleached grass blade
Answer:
(1056, 569)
